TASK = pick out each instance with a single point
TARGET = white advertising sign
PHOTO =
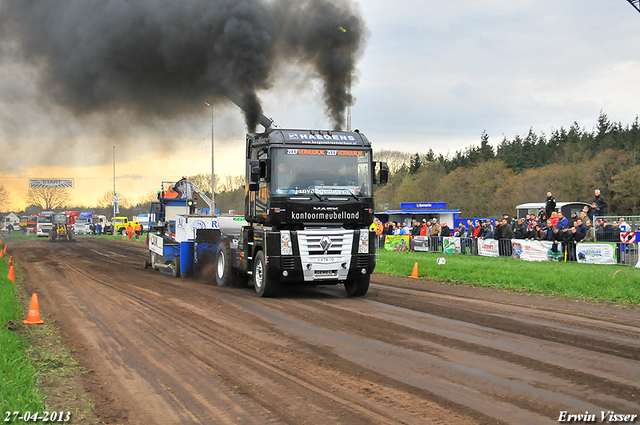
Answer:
(535, 250)
(420, 243)
(596, 253)
(451, 245)
(488, 247)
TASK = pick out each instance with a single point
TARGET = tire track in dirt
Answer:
(401, 355)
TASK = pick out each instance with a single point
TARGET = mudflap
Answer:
(187, 257)
(207, 241)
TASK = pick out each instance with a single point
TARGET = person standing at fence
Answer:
(581, 228)
(519, 230)
(624, 226)
(562, 221)
(573, 219)
(445, 230)
(556, 238)
(550, 204)
(538, 234)
(504, 236)
(576, 238)
(600, 202)
(591, 232)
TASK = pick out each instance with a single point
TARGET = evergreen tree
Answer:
(415, 165)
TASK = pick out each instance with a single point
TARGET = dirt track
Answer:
(180, 351)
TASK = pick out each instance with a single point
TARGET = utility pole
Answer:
(213, 176)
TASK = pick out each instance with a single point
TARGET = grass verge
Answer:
(37, 372)
(18, 389)
(584, 281)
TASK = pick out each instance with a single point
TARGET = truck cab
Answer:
(44, 224)
(120, 225)
(309, 204)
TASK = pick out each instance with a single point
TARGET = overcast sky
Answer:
(435, 74)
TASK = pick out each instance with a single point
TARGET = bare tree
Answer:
(226, 183)
(5, 198)
(230, 183)
(394, 159)
(106, 201)
(48, 198)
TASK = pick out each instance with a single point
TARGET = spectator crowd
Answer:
(550, 225)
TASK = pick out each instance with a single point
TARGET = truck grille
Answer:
(333, 242)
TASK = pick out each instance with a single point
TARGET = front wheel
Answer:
(265, 287)
(357, 287)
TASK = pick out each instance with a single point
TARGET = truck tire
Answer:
(176, 267)
(153, 259)
(357, 287)
(224, 274)
(265, 287)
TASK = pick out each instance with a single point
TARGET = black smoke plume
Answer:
(152, 58)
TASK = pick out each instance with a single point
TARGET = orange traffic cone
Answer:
(1, 253)
(415, 271)
(34, 312)
(10, 263)
(12, 274)
(5, 250)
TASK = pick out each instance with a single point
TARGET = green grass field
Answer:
(583, 281)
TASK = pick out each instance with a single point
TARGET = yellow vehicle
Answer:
(120, 225)
(61, 228)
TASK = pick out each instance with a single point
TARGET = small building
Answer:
(420, 210)
(565, 207)
(11, 218)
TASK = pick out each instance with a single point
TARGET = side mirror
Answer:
(255, 172)
(384, 173)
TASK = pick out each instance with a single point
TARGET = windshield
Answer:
(323, 171)
(60, 218)
(44, 219)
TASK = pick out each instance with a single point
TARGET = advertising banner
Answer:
(420, 243)
(451, 245)
(596, 253)
(488, 247)
(397, 242)
(534, 250)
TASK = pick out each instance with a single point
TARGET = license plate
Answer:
(325, 272)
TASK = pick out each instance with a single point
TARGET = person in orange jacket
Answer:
(129, 230)
(137, 229)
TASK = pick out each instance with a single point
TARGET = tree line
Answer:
(482, 181)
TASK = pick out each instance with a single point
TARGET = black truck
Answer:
(308, 207)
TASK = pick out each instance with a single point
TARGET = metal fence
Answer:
(626, 254)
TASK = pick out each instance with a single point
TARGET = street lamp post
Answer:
(213, 176)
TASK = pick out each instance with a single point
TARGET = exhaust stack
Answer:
(264, 121)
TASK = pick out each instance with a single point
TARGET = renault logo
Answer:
(325, 244)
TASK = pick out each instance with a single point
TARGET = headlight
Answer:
(363, 244)
(285, 243)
